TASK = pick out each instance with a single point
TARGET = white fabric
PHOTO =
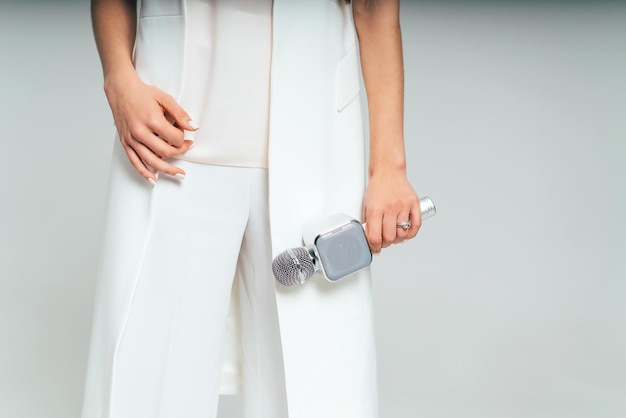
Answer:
(168, 359)
(315, 169)
(228, 65)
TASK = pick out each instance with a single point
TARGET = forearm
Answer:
(114, 26)
(378, 29)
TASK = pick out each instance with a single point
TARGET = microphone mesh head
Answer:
(293, 269)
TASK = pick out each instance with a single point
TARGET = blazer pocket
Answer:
(348, 81)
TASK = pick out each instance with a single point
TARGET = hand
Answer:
(139, 111)
(389, 198)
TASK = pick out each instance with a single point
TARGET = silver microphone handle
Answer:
(427, 207)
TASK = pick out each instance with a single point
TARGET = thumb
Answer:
(176, 112)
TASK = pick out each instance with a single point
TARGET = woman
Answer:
(182, 221)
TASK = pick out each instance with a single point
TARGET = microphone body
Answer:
(339, 250)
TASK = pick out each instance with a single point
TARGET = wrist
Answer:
(120, 76)
(387, 168)
(387, 158)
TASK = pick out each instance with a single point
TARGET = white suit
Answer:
(316, 169)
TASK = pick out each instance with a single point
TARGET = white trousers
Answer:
(208, 229)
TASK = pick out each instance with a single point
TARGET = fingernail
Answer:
(188, 135)
(193, 144)
(179, 176)
(151, 180)
(193, 124)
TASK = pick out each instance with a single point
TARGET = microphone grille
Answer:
(293, 267)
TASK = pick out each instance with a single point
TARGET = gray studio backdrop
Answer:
(510, 303)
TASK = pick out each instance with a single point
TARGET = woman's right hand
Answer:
(141, 114)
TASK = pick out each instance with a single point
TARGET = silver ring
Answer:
(404, 225)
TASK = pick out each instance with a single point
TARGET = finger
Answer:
(401, 233)
(390, 228)
(167, 132)
(153, 160)
(373, 230)
(139, 165)
(416, 220)
(176, 112)
(157, 145)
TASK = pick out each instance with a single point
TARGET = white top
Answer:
(227, 77)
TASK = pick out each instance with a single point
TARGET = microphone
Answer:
(340, 250)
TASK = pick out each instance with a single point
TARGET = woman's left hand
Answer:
(389, 199)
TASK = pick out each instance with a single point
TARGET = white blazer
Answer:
(316, 168)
